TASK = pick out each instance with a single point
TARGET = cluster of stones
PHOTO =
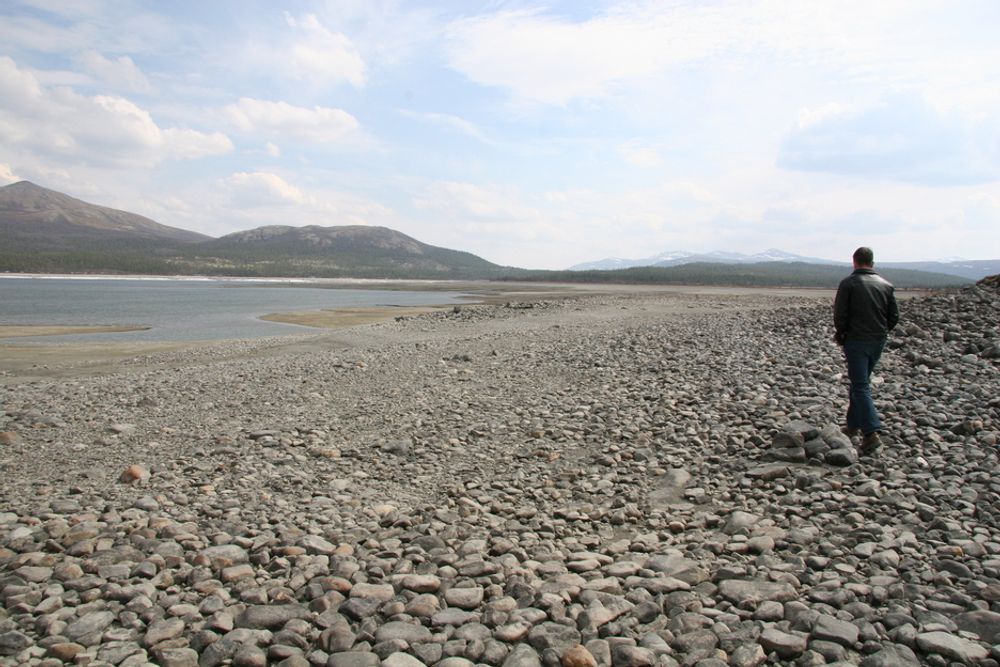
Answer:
(596, 482)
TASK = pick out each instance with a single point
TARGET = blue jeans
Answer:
(861, 357)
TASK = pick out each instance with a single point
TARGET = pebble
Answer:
(611, 480)
(133, 474)
(833, 629)
(950, 646)
(578, 656)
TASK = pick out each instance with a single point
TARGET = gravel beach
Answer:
(621, 479)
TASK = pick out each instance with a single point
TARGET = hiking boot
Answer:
(851, 431)
(870, 443)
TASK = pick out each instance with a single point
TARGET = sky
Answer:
(533, 134)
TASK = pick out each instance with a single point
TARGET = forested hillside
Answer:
(765, 274)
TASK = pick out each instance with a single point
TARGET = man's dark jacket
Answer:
(865, 308)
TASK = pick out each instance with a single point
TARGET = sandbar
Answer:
(23, 330)
(341, 318)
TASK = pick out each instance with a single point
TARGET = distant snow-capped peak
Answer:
(675, 257)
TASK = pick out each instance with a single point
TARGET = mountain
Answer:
(968, 269)
(31, 215)
(755, 274)
(973, 269)
(45, 231)
(353, 250)
(680, 257)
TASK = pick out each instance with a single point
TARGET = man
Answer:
(864, 313)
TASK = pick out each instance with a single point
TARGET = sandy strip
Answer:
(340, 318)
(21, 330)
(27, 363)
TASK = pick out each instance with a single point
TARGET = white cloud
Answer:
(499, 223)
(120, 72)
(785, 215)
(320, 55)
(99, 129)
(483, 202)
(865, 222)
(982, 212)
(7, 174)
(825, 113)
(455, 123)
(641, 155)
(541, 57)
(262, 189)
(111, 121)
(551, 61)
(39, 35)
(558, 228)
(901, 138)
(69, 28)
(639, 125)
(285, 121)
(555, 229)
(244, 200)
(19, 89)
(187, 144)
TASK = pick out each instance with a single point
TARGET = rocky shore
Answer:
(615, 480)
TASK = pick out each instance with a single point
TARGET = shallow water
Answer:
(181, 310)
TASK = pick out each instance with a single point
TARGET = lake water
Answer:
(181, 310)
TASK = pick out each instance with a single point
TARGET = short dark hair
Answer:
(864, 256)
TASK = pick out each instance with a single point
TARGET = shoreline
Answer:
(31, 359)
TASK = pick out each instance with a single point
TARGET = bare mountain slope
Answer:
(49, 232)
(37, 217)
(355, 249)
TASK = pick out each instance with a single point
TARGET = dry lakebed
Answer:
(619, 478)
